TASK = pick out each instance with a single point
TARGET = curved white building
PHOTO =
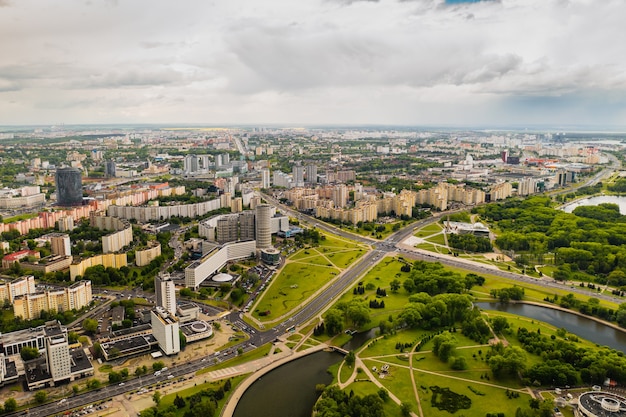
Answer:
(263, 226)
(601, 404)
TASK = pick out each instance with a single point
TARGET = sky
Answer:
(308, 62)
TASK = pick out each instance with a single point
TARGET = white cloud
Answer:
(386, 61)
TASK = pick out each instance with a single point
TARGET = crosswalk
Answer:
(221, 373)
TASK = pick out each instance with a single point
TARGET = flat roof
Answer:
(22, 335)
(80, 361)
(592, 402)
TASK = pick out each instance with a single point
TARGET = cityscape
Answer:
(330, 208)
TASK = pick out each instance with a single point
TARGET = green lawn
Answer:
(493, 400)
(168, 400)
(306, 271)
(19, 217)
(429, 229)
(363, 388)
(292, 287)
(437, 239)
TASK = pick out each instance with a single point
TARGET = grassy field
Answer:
(19, 217)
(168, 400)
(305, 272)
(492, 400)
(429, 230)
(363, 388)
(437, 239)
(294, 285)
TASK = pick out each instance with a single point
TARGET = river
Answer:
(289, 390)
(581, 326)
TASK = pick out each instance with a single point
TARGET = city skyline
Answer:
(422, 62)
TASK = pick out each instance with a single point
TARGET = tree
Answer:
(499, 324)
(182, 339)
(29, 353)
(350, 359)
(405, 409)
(41, 396)
(156, 397)
(203, 409)
(90, 325)
(75, 389)
(72, 337)
(114, 377)
(395, 285)
(358, 313)
(333, 321)
(179, 402)
(443, 346)
(93, 384)
(10, 405)
(157, 366)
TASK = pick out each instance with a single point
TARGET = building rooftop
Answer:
(129, 346)
(11, 369)
(21, 335)
(603, 404)
(80, 361)
(117, 313)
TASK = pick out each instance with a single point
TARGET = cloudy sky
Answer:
(410, 62)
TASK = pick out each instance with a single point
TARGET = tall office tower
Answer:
(165, 292)
(109, 168)
(340, 195)
(263, 226)
(311, 173)
(69, 185)
(297, 172)
(191, 164)
(246, 225)
(265, 178)
(227, 229)
(60, 244)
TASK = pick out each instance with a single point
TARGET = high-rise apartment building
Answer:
(58, 354)
(227, 229)
(297, 172)
(60, 244)
(191, 164)
(340, 195)
(66, 224)
(265, 178)
(310, 172)
(246, 225)
(165, 293)
(165, 329)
